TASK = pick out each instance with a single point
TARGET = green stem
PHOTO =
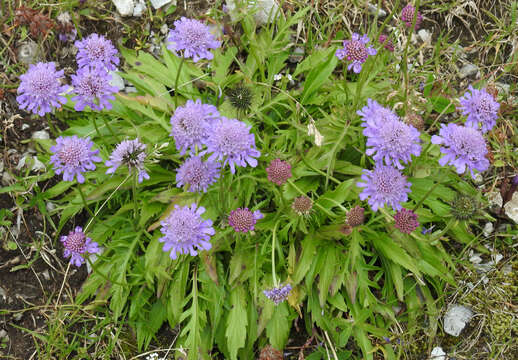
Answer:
(315, 203)
(84, 201)
(425, 196)
(274, 235)
(176, 82)
(135, 203)
(53, 130)
(110, 129)
(405, 55)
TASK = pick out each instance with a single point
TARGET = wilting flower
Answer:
(464, 207)
(480, 108)
(243, 220)
(279, 171)
(76, 244)
(185, 232)
(463, 146)
(73, 156)
(40, 88)
(406, 221)
(355, 216)
(92, 88)
(384, 185)
(191, 125)
(240, 97)
(386, 42)
(302, 205)
(373, 113)
(131, 153)
(198, 174)
(231, 142)
(278, 294)
(391, 141)
(194, 38)
(95, 50)
(415, 120)
(270, 353)
(356, 51)
(407, 16)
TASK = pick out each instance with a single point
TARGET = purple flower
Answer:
(131, 153)
(406, 221)
(194, 38)
(374, 113)
(384, 185)
(243, 220)
(184, 229)
(231, 141)
(199, 175)
(190, 125)
(279, 171)
(386, 42)
(407, 16)
(463, 146)
(93, 89)
(76, 244)
(480, 108)
(356, 51)
(278, 294)
(391, 141)
(96, 50)
(73, 156)
(40, 88)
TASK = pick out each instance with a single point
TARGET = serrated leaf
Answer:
(278, 328)
(237, 322)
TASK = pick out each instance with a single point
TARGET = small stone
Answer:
(456, 319)
(29, 53)
(488, 229)
(475, 259)
(139, 8)
(438, 354)
(41, 135)
(503, 87)
(478, 179)
(4, 335)
(7, 179)
(124, 7)
(164, 29)
(130, 89)
(468, 70)
(511, 207)
(18, 316)
(264, 11)
(297, 55)
(50, 206)
(116, 80)
(25, 126)
(373, 10)
(495, 199)
(425, 36)
(157, 4)
(3, 293)
(46, 275)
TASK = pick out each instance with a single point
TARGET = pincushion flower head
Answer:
(278, 171)
(191, 125)
(386, 42)
(76, 244)
(278, 294)
(92, 88)
(373, 113)
(302, 205)
(186, 232)
(384, 185)
(407, 16)
(197, 174)
(480, 108)
(96, 50)
(356, 51)
(40, 88)
(463, 147)
(406, 221)
(73, 156)
(230, 141)
(131, 153)
(193, 38)
(243, 220)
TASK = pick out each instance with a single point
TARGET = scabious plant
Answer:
(278, 294)
(463, 147)
(40, 88)
(191, 125)
(243, 220)
(96, 50)
(193, 39)
(197, 174)
(302, 205)
(356, 51)
(131, 153)
(185, 231)
(355, 216)
(407, 16)
(92, 88)
(386, 42)
(406, 221)
(384, 185)
(77, 244)
(480, 108)
(232, 143)
(73, 156)
(279, 171)
(373, 113)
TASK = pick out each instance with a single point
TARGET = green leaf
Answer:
(391, 250)
(278, 328)
(237, 322)
(317, 77)
(442, 105)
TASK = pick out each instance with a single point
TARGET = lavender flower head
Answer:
(407, 16)
(243, 220)
(73, 156)
(131, 153)
(356, 51)
(406, 221)
(386, 42)
(194, 38)
(185, 232)
(278, 294)
(76, 244)
(40, 88)
(384, 185)
(93, 89)
(95, 50)
(191, 125)
(231, 142)
(463, 147)
(480, 108)
(199, 175)
(374, 113)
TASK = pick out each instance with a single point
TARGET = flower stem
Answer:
(135, 203)
(176, 82)
(274, 235)
(83, 197)
(425, 196)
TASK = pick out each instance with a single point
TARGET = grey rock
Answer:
(511, 208)
(7, 179)
(425, 35)
(503, 87)
(139, 8)
(438, 354)
(130, 89)
(41, 135)
(456, 319)
(32, 161)
(50, 206)
(264, 11)
(468, 70)
(3, 294)
(297, 55)
(479, 179)
(29, 53)
(164, 29)
(124, 7)
(157, 4)
(18, 316)
(25, 126)
(116, 80)
(4, 335)
(495, 199)
(373, 10)
(488, 229)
